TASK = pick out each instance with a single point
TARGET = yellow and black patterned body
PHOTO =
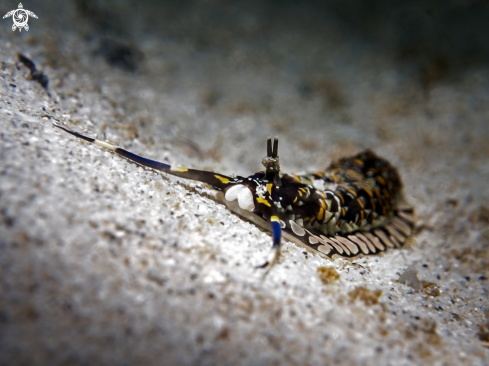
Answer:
(353, 207)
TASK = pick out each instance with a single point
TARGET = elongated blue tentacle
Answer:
(218, 181)
(277, 236)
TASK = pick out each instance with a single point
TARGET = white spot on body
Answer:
(375, 241)
(318, 184)
(105, 144)
(360, 243)
(370, 245)
(381, 235)
(336, 245)
(324, 249)
(313, 240)
(232, 193)
(245, 199)
(352, 247)
(299, 231)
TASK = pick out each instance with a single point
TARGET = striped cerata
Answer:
(353, 207)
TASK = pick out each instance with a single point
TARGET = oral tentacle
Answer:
(218, 181)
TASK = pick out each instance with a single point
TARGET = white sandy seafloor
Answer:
(105, 262)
